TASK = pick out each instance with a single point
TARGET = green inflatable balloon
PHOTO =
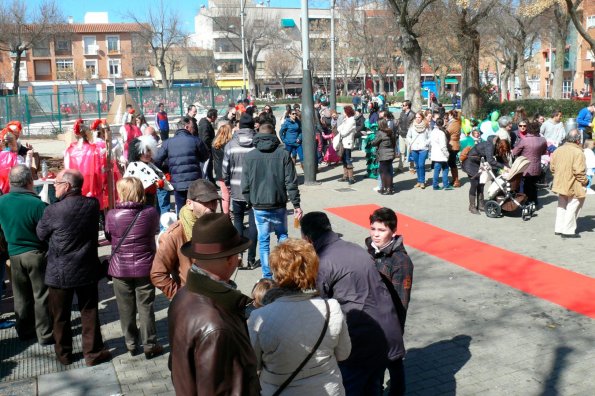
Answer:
(495, 115)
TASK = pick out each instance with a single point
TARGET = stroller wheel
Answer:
(527, 213)
(493, 209)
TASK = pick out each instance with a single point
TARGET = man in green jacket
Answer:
(20, 211)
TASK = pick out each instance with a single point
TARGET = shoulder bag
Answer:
(314, 349)
(104, 264)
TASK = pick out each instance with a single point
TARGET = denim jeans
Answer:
(180, 197)
(240, 208)
(163, 201)
(419, 158)
(267, 221)
(346, 159)
(440, 166)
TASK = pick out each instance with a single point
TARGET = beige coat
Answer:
(569, 168)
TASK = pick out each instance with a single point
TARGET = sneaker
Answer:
(437, 188)
(422, 186)
(449, 188)
(6, 324)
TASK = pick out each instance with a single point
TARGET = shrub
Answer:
(546, 107)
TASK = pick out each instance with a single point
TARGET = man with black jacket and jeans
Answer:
(233, 162)
(268, 176)
(405, 119)
(184, 153)
(206, 133)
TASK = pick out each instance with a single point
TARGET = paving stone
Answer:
(98, 380)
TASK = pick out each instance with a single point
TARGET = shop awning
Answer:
(231, 83)
(287, 23)
(451, 81)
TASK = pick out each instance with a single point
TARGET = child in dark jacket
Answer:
(396, 268)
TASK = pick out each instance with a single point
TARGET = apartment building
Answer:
(213, 19)
(579, 60)
(92, 56)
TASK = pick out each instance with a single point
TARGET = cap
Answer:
(202, 191)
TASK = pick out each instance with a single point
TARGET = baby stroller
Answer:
(503, 193)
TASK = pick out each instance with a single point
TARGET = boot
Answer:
(350, 176)
(472, 204)
(481, 204)
(344, 178)
(455, 177)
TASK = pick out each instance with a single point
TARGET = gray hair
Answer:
(574, 136)
(74, 178)
(20, 176)
(504, 121)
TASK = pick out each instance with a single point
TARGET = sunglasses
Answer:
(293, 113)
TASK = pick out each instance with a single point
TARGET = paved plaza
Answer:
(466, 334)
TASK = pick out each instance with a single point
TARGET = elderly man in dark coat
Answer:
(71, 227)
(211, 353)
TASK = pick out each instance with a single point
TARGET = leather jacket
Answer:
(211, 351)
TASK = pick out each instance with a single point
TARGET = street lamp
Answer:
(333, 78)
(242, 8)
(308, 139)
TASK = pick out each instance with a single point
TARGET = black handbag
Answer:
(104, 264)
(314, 349)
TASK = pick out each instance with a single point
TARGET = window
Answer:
(63, 45)
(42, 69)
(113, 44)
(41, 49)
(65, 69)
(113, 66)
(226, 45)
(89, 45)
(567, 89)
(22, 70)
(91, 68)
(590, 21)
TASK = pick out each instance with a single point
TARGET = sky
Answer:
(118, 8)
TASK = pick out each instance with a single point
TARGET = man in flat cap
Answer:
(210, 347)
(170, 266)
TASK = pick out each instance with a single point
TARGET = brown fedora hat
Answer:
(213, 236)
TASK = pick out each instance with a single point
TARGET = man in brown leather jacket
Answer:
(211, 352)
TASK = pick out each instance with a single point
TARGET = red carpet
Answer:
(569, 289)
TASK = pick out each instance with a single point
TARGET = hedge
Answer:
(545, 107)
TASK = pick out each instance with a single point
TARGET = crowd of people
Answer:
(328, 315)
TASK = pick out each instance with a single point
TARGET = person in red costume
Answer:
(11, 153)
(129, 131)
(85, 156)
(101, 132)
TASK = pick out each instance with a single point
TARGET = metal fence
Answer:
(46, 113)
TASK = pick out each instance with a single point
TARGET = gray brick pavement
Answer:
(465, 335)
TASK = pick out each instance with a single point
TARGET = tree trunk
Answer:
(525, 88)
(558, 65)
(346, 84)
(469, 40)
(253, 87)
(504, 86)
(164, 79)
(282, 81)
(443, 75)
(412, 63)
(15, 75)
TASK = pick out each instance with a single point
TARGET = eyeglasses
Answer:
(60, 182)
(293, 113)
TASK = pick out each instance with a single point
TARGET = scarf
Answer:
(187, 219)
(420, 127)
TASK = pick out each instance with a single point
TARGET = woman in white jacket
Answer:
(285, 330)
(418, 139)
(346, 132)
(439, 155)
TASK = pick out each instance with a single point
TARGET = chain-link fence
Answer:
(50, 113)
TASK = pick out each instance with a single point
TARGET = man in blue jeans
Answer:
(268, 177)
